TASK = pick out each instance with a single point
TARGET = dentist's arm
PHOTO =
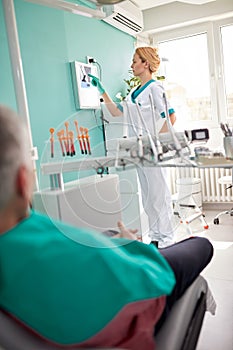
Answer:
(115, 112)
(165, 127)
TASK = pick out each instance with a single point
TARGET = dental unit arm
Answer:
(144, 149)
(128, 154)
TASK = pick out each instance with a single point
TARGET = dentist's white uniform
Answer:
(156, 196)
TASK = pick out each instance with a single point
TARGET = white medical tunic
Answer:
(156, 196)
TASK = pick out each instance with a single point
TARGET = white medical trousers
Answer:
(157, 203)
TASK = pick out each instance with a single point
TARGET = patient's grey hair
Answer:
(14, 151)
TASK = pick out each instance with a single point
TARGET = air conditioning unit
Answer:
(124, 16)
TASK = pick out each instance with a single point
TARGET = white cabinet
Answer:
(92, 202)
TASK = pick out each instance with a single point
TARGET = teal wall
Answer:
(49, 40)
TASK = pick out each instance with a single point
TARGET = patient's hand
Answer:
(126, 233)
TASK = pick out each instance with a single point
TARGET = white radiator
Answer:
(212, 191)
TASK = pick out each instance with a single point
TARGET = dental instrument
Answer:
(52, 141)
(59, 135)
(87, 140)
(79, 137)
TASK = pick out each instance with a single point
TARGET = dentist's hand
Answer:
(97, 83)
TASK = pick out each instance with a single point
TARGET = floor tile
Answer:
(217, 331)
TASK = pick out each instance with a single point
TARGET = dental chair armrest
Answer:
(172, 334)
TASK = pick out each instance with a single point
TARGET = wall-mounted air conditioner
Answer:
(125, 16)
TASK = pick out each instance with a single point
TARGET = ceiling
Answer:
(147, 4)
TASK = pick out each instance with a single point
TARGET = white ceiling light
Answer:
(70, 7)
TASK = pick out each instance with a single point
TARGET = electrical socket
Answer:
(90, 59)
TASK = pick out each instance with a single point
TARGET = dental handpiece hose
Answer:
(177, 144)
(156, 134)
(125, 122)
(148, 132)
(139, 137)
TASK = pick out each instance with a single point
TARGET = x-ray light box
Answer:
(86, 95)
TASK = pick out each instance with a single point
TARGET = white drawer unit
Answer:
(92, 202)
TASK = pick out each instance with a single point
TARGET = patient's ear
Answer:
(23, 183)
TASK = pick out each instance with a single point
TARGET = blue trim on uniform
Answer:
(119, 106)
(140, 89)
(170, 111)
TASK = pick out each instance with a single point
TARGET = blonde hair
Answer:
(149, 54)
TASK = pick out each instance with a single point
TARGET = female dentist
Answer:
(156, 196)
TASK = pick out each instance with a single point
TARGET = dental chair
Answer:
(182, 327)
(179, 332)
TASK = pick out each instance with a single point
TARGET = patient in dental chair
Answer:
(74, 286)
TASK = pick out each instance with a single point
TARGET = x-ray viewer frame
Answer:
(85, 94)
